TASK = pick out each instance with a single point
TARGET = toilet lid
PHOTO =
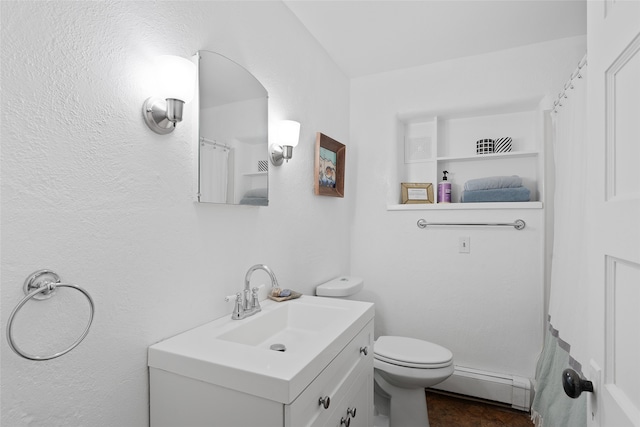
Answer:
(411, 352)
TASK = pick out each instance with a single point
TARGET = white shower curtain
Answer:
(568, 268)
(565, 344)
(214, 171)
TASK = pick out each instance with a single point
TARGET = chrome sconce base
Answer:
(161, 115)
(279, 153)
(288, 135)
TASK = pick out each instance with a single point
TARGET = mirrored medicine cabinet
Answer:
(233, 133)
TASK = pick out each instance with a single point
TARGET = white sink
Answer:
(295, 325)
(236, 354)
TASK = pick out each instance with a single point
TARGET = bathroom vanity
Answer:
(225, 373)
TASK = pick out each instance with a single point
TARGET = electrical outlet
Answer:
(464, 245)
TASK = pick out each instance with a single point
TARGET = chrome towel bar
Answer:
(518, 224)
(42, 285)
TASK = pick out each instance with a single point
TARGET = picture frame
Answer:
(329, 167)
(416, 192)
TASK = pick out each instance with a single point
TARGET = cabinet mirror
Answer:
(233, 148)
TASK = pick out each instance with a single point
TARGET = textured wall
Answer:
(90, 192)
(486, 306)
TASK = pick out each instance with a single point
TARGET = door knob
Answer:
(574, 385)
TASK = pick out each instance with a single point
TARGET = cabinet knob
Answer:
(364, 350)
(325, 402)
(351, 412)
(345, 422)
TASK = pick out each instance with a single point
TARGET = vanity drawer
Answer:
(334, 381)
(357, 408)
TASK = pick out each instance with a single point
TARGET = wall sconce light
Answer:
(288, 134)
(176, 78)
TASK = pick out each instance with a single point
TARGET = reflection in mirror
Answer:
(233, 146)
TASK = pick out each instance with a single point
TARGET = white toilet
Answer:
(403, 367)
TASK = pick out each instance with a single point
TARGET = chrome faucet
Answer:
(251, 303)
(247, 279)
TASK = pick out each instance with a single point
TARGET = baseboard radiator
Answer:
(509, 389)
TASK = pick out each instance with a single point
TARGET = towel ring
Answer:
(42, 285)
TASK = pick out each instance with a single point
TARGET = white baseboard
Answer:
(510, 389)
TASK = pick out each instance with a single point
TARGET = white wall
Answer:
(486, 306)
(90, 192)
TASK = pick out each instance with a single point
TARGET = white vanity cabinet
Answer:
(347, 381)
(342, 375)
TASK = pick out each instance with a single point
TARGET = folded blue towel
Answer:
(493, 182)
(518, 194)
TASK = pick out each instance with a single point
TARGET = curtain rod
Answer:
(214, 143)
(569, 84)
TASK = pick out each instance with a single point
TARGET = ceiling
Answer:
(367, 36)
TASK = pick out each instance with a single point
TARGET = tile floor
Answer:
(452, 411)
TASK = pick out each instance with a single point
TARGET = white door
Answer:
(614, 211)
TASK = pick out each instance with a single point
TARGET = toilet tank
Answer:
(343, 286)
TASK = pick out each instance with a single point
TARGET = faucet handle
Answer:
(255, 302)
(231, 297)
(238, 310)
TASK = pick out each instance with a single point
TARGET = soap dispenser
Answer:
(444, 189)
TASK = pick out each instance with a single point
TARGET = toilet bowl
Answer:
(403, 367)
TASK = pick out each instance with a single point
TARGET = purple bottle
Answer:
(444, 189)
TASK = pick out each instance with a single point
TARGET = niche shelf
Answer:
(465, 206)
(432, 142)
(478, 158)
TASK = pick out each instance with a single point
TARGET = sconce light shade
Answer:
(288, 134)
(176, 78)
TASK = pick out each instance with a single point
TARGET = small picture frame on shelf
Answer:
(416, 192)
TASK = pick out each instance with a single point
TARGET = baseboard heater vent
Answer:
(504, 388)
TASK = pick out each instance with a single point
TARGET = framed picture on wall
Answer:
(329, 166)
(414, 192)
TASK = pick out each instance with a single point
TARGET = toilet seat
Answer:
(411, 352)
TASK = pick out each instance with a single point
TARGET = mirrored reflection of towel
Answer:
(518, 194)
(256, 197)
(255, 201)
(257, 192)
(493, 182)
